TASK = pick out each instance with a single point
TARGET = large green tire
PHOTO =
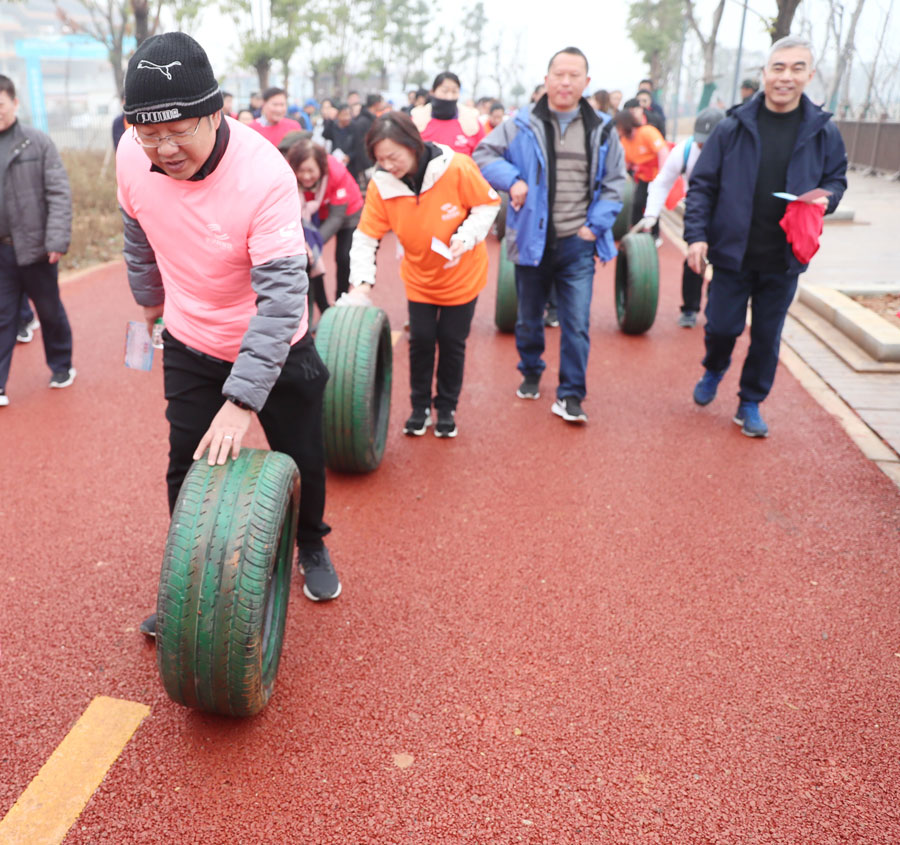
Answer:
(225, 582)
(637, 283)
(622, 223)
(354, 341)
(507, 305)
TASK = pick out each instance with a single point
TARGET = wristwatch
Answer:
(242, 405)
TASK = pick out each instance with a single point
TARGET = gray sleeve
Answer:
(59, 202)
(337, 214)
(280, 286)
(140, 263)
(613, 185)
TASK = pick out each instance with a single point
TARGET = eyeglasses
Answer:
(178, 139)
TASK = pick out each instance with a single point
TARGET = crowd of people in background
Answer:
(239, 321)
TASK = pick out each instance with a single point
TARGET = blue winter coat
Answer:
(517, 149)
(719, 203)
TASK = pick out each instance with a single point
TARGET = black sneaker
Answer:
(551, 318)
(569, 408)
(25, 334)
(4, 399)
(418, 421)
(321, 582)
(148, 626)
(446, 424)
(63, 378)
(529, 388)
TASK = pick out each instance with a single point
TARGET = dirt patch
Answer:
(96, 222)
(885, 305)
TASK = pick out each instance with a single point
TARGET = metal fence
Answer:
(873, 145)
(94, 133)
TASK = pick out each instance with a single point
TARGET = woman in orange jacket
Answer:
(441, 209)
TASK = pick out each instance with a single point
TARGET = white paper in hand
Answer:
(441, 248)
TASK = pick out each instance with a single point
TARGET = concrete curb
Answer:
(865, 328)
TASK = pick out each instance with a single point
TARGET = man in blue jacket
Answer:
(564, 171)
(776, 142)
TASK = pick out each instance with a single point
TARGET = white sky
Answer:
(599, 30)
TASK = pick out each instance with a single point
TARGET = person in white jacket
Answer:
(681, 162)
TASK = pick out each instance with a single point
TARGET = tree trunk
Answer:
(782, 27)
(141, 9)
(115, 59)
(846, 54)
(656, 71)
(262, 67)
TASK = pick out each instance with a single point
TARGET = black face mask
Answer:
(443, 109)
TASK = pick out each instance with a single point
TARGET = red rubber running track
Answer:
(649, 629)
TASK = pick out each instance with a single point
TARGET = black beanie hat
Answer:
(169, 77)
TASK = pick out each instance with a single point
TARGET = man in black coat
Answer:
(35, 228)
(360, 163)
(777, 142)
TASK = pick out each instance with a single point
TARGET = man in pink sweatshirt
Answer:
(213, 244)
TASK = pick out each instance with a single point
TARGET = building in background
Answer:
(63, 80)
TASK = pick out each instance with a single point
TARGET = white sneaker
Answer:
(4, 399)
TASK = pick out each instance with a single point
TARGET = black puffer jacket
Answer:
(37, 197)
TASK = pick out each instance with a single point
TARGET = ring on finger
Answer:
(228, 437)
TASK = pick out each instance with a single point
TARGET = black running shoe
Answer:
(530, 388)
(148, 626)
(551, 318)
(418, 421)
(569, 408)
(446, 424)
(63, 378)
(321, 582)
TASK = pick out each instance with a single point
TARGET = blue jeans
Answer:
(39, 282)
(770, 295)
(571, 265)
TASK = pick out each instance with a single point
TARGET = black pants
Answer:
(691, 289)
(343, 241)
(316, 296)
(40, 283)
(640, 203)
(291, 419)
(447, 328)
(770, 295)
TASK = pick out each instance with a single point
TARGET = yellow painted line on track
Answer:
(59, 792)
(395, 336)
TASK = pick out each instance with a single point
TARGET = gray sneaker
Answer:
(687, 319)
(321, 582)
(569, 408)
(529, 388)
(63, 378)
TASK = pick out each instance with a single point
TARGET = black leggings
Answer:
(447, 328)
(291, 419)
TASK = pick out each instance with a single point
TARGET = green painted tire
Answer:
(507, 305)
(225, 582)
(354, 341)
(622, 223)
(637, 283)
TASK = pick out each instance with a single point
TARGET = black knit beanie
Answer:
(169, 77)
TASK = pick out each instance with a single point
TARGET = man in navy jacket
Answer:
(778, 141)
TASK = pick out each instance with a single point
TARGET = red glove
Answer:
(802, 224)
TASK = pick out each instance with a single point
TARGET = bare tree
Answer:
(108, 24)
(844, 51)
(781, 25)
(708, 46)
(867, 102)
